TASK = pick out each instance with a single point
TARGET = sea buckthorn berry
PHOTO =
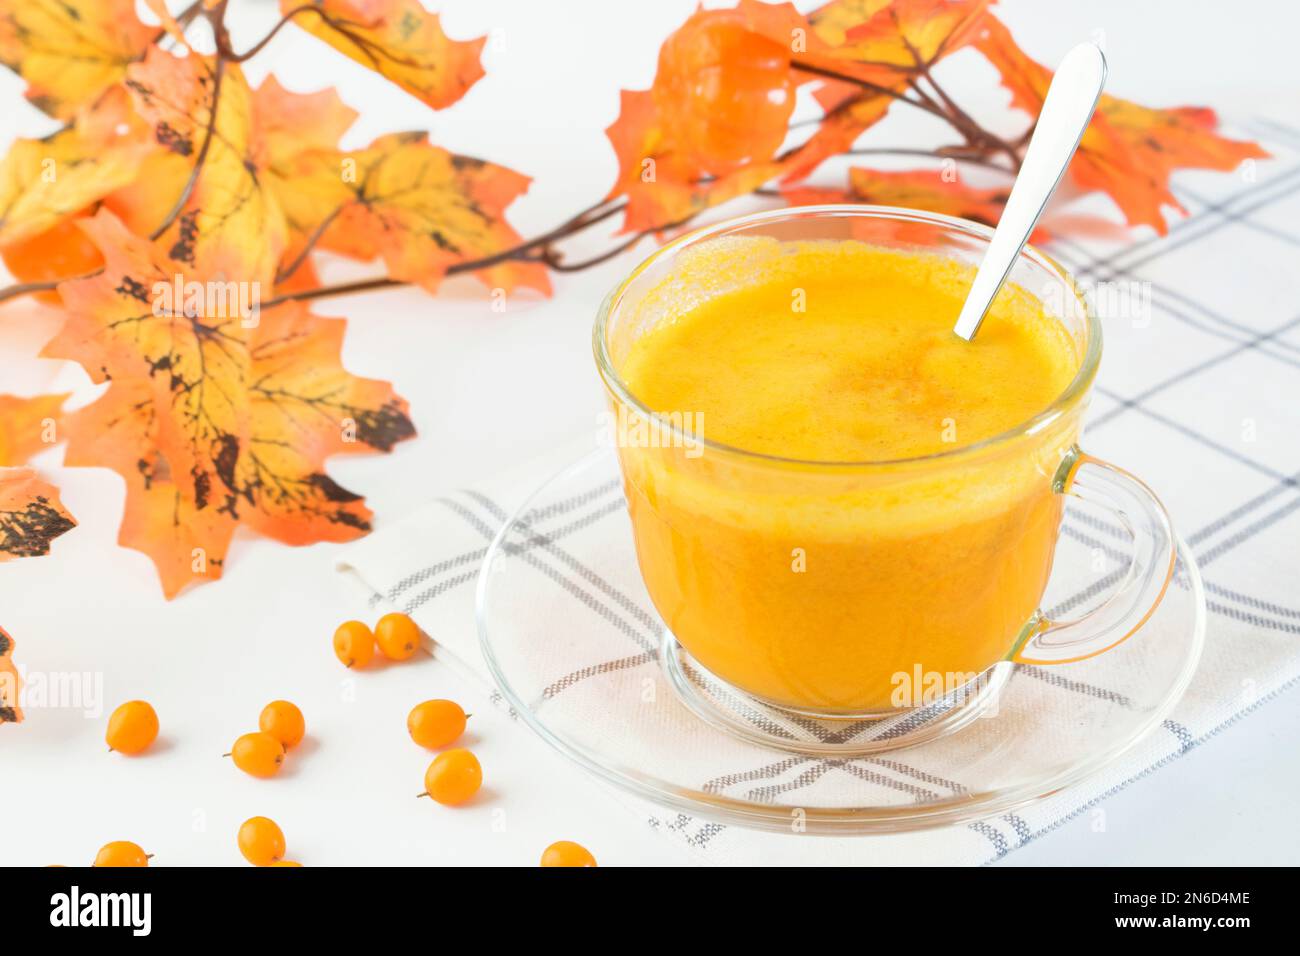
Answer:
(354, 644)
(397, 636)
(453, 777)
(567, 853)
(121, 853)
(436, 723)
(261, 841)
(283, 721)
(132, 727)
(258, 754)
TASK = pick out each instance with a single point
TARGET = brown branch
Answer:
(867, 85)
(303, 253)
(257, 47)
(199, 160)
(596, 213)
(49, 285)
(182, 19)
(27, 288)
(958, 153)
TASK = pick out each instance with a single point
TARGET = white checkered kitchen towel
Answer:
(1201, 398)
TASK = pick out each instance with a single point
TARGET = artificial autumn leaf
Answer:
(70, 51)
(303, 408)
(1128, 151)
(10, 685)
(398, 39)
(848, 112)
(27, 426)
(44, 181)
(291, 124)
(832, 21)
(422, 209)
(31, 515)
(306, 407)
(145, 203)
(883, 43)
(231, 226)
(910, 35)
(128, 322)
(185, 536)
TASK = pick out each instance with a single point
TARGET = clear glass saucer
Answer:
(575, 646)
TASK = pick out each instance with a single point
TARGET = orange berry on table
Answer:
(258, 754)
(121, 853)
(286, 863)
(132, 727)
(567, 853)
(261, 841)
(398, 636)
(283, 721)
(354, 644)
(436, 723)
(453, 777)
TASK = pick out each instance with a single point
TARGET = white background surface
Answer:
(487, 389)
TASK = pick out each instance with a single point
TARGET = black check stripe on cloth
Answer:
(1197, 395)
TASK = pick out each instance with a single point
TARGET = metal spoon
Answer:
(1069, 105)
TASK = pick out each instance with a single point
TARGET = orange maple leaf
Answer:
(306, 407)
(10, 685)
(910, 36)
(31, 515)
(216, 414)
(212, 419)
(398, 39)
(185, 535)
(291, 125)
(27, 426)
(141, 318)
(1128, 151)
(884, 43)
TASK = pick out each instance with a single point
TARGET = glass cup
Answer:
(865, 588)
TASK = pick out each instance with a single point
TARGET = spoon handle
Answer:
(1070, 101)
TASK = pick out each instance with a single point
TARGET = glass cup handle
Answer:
(1140, 587)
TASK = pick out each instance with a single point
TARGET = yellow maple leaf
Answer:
(44, 181)
(231, 226)
(420, 208)
(398, 39)
(70, 51)
(143, 317)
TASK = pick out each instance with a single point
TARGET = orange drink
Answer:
(837, 504)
